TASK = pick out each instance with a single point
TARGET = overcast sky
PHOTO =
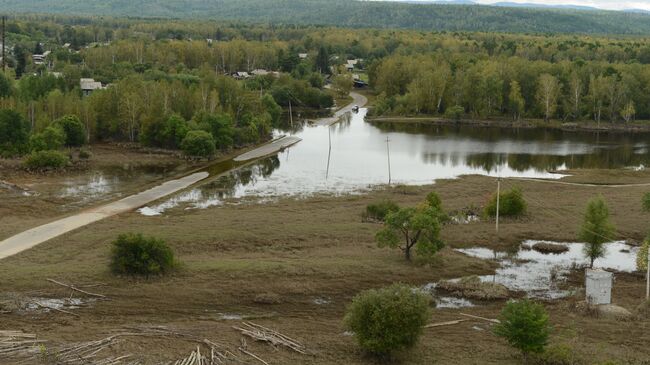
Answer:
(603, 4)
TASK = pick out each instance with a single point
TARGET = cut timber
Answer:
(55, 309)
(253, 356)
(448, 323)
(76, 289)
(481, 318)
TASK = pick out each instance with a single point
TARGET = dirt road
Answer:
(357, 99)
(269, 148)
(30, 238)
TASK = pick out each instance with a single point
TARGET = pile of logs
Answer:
(214, 356)
(18, 343)
(260, 333)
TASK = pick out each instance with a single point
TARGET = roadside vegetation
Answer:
(137, 255)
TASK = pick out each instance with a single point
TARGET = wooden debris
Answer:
(448, 323)
(260, 333)
(18, 343)
(215, 357)
(77, 289)
(243, 348)
(481, 318)
(55, 309)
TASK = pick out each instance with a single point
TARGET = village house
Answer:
(241, 75)
(39, 59)
(303, 56)
(90, 85)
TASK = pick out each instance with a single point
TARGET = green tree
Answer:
(524, 324)
(198, 144)
(642, 255)
(628, 112)
(75, 132)
(51, 138)
(6, 87)
(511, 204)
(322, 64)
(388, 320)
(342, 84)
(14, 132)
(548, 90)
(645, 202)
(515, 101)
(596, 229)
(409, 228)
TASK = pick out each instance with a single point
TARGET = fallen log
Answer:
(76, 289)
(481, 318)
(448, 323)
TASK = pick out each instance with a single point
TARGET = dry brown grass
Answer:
(318, 248)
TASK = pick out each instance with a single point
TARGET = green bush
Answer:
(511, 204)
(642, 255)
(51, 138)
(134, 254)
(84, 154)
(75, 132)
(379, 211)
(524, 324)
(455, 113)
(14, 133)
(646, 202)
(198, 144)
(45, 160)
(388, 320)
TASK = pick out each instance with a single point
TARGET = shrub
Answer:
(388, 320)
(75, 132)
(51, 138)
(511, 204)
(642, 256)
(198, 144)
(379, 211)
(44, 160)
(14, 132)
(84, 154)
(134, 254)
(455, 113)
(524, 324)
(645, 202)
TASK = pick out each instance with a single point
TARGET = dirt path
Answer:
(357, 99)
(35, 236)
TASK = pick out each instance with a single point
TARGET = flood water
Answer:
(540, 275)
(352, 156)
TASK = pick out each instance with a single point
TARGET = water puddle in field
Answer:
(445, 302)
(352, 157)
(539, 274)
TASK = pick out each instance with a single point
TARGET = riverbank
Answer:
(294, 265)
(586, 126)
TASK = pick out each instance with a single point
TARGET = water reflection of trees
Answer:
(603, 150)
(227, 185)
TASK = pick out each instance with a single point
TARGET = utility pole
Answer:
(329, 153)
(290, 113)
(498, 201)
(4, 43)
(647, 283)
(388, 153)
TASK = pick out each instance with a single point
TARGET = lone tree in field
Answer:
(524, 324)
(388, 320)
(596, 229)
(418, 228)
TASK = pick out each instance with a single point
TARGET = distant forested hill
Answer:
(350, 13)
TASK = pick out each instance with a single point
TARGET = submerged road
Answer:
(357, 100)
(35, 236)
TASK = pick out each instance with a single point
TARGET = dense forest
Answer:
(347, 13)
(162, 79)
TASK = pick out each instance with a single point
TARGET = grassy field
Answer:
(298, 251)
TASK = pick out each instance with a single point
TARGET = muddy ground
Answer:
(294, 265)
